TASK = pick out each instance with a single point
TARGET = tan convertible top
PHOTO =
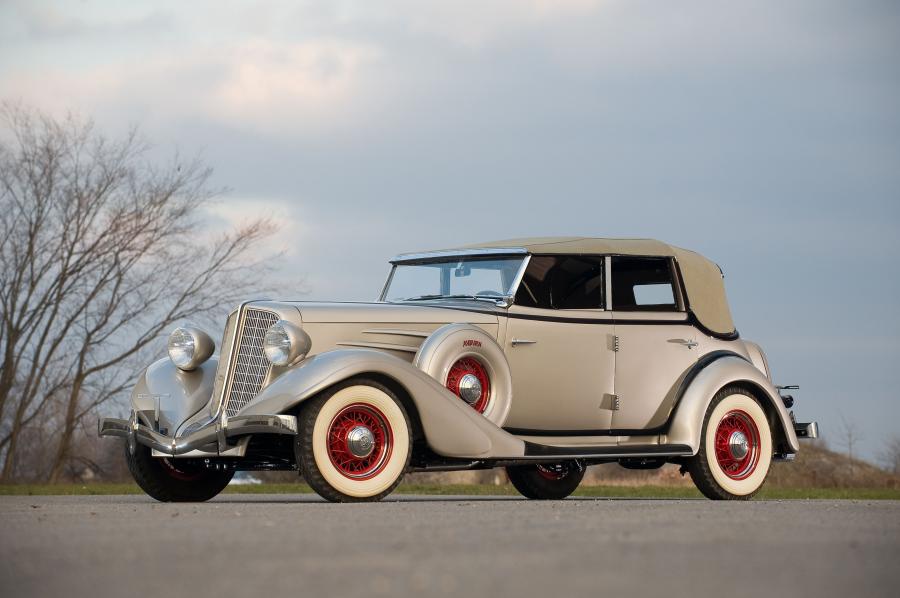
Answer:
(702, 278)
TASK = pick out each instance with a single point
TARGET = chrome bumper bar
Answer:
(217, 431)
(806, 431)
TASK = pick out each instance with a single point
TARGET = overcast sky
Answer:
(764, 134)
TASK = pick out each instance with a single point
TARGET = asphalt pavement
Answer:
(277, 545)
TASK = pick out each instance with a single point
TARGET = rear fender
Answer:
(451, 428)
(729, 370)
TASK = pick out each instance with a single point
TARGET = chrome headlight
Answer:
(189, 347)
(285, 343)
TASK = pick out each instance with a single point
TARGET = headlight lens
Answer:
(181, 347)
(189, 347)
(277, 345)
(285, 343)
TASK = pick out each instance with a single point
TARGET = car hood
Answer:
(398, 329)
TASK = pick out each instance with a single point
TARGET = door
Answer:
(656, 343)
(559, 346)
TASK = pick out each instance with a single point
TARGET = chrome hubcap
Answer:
(470, 389)
(360, 441)
(738, 445)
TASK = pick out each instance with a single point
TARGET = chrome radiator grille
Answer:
(250, 366)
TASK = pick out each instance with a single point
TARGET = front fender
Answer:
(687, 425)
(173, 395)
(451, 428)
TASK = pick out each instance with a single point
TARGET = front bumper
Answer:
(806, 431)
(216, 432)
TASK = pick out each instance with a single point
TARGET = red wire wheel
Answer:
(179, 473)
(554, 472)
(466, 377)
(737, 445)
(359, 441)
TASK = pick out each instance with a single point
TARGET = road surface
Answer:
(262, 546)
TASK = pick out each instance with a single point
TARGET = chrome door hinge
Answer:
(615, 343)
(614, 402)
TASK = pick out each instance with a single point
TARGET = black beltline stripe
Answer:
(690, 320)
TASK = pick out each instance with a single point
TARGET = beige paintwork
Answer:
(649, 365)
(397, 329)
(566, 367)
(562, 373)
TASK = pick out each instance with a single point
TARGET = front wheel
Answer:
(735, 449)
(174, 480)
(546, 481)
(354, 442)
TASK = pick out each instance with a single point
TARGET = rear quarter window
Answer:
(643, 284)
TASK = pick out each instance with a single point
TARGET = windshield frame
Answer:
(445, 256)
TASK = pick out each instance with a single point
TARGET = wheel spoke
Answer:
(736, 442)
(359, 416)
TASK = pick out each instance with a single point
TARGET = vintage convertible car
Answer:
(542, 356)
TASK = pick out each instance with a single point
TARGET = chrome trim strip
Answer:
(607, 273)
(387, 283)
(220, 400)
(388, 346)
(404, 258)
(397, 332)
(514, 287)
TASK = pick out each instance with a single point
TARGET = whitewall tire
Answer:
(354, 442)
(735, 447)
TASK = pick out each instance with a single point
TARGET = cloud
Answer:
(253, 83)
(277, 85)
(53, 22)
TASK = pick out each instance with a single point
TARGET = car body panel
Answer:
(721, 371)
(586, 380)
(645, 400)
(562, 372)
(451, 427)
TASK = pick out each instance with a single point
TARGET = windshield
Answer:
(471, 277)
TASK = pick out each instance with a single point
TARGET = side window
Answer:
(642, 284)
(562, 282)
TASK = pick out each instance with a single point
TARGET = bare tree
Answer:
(101, 252)
(890, 456)
(849, 437)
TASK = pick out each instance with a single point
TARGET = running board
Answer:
(613, 452)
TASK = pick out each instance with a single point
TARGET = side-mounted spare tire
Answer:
(470, 363)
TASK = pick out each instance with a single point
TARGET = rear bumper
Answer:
(216, 432)
(806, 431)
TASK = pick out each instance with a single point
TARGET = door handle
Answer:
(521, 341)
(689, 343)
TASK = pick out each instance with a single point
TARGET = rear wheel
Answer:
(354, 442)
(174, 480)
(546, 481)
(735, 449)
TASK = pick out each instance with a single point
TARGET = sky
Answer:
(765, 135)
